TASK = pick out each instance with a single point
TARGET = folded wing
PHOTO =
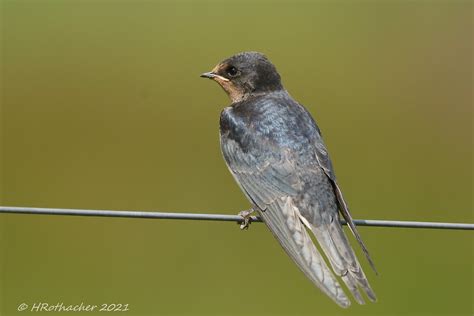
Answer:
(270, 180)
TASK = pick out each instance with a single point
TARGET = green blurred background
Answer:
(102, 107)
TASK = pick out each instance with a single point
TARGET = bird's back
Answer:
(275, 117)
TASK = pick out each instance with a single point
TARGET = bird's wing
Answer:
(325, 163)
(268, 178)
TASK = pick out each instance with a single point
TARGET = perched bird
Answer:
(275, 152)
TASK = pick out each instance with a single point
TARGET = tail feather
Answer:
(351, 284)
(335, 245)
(283, 219)
(350, 222)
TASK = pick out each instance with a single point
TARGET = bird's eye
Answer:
(232, 71)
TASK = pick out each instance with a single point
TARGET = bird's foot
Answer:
(246, 215)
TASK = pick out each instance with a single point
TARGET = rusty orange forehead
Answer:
(218, 67)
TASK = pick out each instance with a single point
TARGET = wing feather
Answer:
(270, 184)
(326, 164)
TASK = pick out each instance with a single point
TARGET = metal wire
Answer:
(216, 217)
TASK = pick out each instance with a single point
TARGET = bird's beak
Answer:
(209, 75)
(212, 75)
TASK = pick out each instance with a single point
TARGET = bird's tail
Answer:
(283, 219)
(335, 245)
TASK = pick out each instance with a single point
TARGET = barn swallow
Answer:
(275, 152)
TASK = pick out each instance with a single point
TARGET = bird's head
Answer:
(244, 75)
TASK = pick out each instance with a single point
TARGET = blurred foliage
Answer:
(102, 107)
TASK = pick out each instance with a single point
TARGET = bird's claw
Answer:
(247, 219)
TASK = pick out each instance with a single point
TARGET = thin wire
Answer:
(216, 217)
